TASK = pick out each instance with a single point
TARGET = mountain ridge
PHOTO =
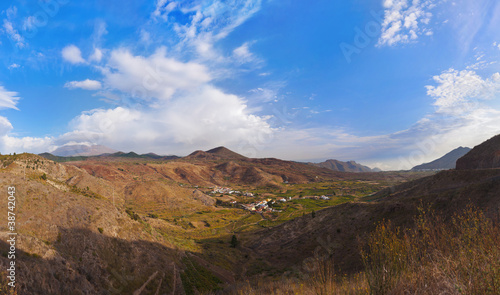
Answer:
(349, 166)
(448, 161)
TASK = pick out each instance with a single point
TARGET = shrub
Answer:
(100, 229)
(234, 241)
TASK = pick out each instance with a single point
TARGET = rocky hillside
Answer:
(349, 166)
(447, 161)
(75, 236)
(483, 156)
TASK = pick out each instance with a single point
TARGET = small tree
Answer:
(234, 241)
(44, 176)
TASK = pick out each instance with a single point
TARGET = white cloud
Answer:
(72, 54)
(459, 91)
(405, 20)
(153, 77)
(85, 84)
(8, 99)
(13, 34)
(163, 8)
(212, 22)
(13, 66)
(28, 144)
(178, 109)
(243, 55)
(201, 119)
(96, 56)
(5, 126)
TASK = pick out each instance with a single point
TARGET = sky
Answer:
(387, 83)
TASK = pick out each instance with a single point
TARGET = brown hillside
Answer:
(340, 229)
(483, 156)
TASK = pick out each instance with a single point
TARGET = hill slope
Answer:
(483, 156)
(447, 161)
(349, 166)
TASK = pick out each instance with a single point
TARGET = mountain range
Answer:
(82, 150)
(349, 166)
(447, 161)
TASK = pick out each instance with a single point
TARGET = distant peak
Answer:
(224, 152)
(216, 153)
(219, 149)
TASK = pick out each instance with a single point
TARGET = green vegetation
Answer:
(234, 241)
(197, 278)
(132, 214)
(85, 192)
(62, 159)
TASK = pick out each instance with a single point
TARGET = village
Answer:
(261, 206)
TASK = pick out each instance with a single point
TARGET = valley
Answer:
(210, 221)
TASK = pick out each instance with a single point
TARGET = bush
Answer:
(132, 214)
(100, 229)
(44, 176)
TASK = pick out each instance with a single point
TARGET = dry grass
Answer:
(456, 256)
(460, 255)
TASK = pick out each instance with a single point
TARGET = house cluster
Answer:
(260, 207)
(222, 190)
(227, 190)
(323, 197)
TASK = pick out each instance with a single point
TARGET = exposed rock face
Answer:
(483, 156)
(447, 161)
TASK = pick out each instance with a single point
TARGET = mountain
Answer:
(82, 150)
(117, 155)
(447, 161)
(216, 154)
(349, 166)
(483, 156)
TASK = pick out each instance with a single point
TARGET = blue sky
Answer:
(388, 83)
